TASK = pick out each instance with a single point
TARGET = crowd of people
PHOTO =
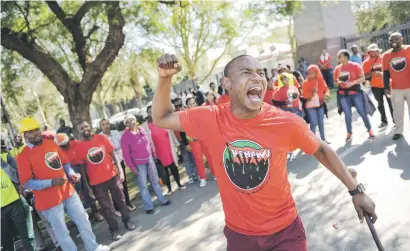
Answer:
(229, 127)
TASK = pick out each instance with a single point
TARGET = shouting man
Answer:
(250, 158)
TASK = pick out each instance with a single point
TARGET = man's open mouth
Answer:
(254, 93)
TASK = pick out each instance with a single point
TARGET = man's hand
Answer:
(362, 203)
(91, 193)
(387, 92)
(378, 73)
(326, 98)
(58, 182)
(76, 177)
(314, 90)
(188, 148)
(167, 66)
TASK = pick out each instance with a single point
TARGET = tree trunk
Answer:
(79, 110)
(292, 40)
(40, 108)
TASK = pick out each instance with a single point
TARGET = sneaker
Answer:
(191, 180)
(98, 217)
(151, 211)
(182, 187)
(169, 193)
(371, 135)
(102, 248)
(196, 177)
(397, 136)
(116, 236)
(130, 225)
(383, 124)
(167, 203)
(214, 177)
(118, 214)
(202, 183)
(349, 137)
(131, 208)
(326, 141)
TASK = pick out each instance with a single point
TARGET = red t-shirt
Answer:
(397, 63)
(249, 159)
(95, 153)
(347, 73)
(70, 153)
(374, 64)
(45, 162)
(223, 99)
(268, 96)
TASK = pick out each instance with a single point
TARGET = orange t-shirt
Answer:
(397, 63)
(223, 99)
(347, 73)
(374, 64)
(95, 153)
(282, 93)
(45, 162)
(249, 159)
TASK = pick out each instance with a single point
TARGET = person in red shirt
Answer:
(223, 94)
(43, 168)
(396, 68)
(67, 147)
(315, 87)
(325, 65)
(249, 151)
(349, 76)
(287, 93)
(372, 68)
(99, 162)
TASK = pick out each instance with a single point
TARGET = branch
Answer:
(18, 42)
(91, 31)
(115, 40)
(84, 9)
(216, 61)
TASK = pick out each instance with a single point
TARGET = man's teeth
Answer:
(255, 89)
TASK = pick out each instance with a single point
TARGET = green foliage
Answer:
(372, 16)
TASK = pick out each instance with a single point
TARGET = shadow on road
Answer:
(400, 158)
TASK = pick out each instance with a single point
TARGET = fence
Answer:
(381, 38)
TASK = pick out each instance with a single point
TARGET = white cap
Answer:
(373, 47)
(128, 117)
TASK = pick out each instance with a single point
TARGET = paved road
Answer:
(195, 220)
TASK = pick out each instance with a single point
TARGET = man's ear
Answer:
(226, 83)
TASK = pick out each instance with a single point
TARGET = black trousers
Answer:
(328, 77)
(13, 218)
(378, 95)
(175, 173)
(125, 189)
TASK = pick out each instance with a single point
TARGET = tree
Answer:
(67, 56)
(194, 28)
(286, 9)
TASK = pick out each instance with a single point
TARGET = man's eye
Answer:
(262, 74)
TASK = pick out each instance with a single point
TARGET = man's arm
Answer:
(162, 114)
(35, 184)
(362, 203)
(116, 164)
(83, 172)
(68, 170)
(386, 79)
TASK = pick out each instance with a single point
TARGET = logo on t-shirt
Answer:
(246, 163)
(377, 67)
(398, 64)
(53, 160)
(344, 76)
(95, 155)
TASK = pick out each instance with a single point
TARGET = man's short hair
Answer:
(212, 83)
(187, 101)
(394, 34)
(176, 100)
(344, 52)
(230, 63)
(102, 120)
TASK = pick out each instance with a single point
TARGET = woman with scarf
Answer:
(139, 156)
(316, 93)
(287, 94)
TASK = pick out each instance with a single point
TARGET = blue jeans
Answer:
(316, 118)
(189, 162)
(356, 100)
(74, 208)
(150, 171)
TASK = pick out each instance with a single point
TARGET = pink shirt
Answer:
(136, 148)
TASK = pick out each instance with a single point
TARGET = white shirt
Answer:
(115, 139)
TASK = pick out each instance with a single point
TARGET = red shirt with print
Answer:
(96, 154)
(347, 73)
(397, 63)
(45, 162)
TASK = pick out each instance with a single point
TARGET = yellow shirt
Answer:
(16, 151)
(8, 191)
(290, 79)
